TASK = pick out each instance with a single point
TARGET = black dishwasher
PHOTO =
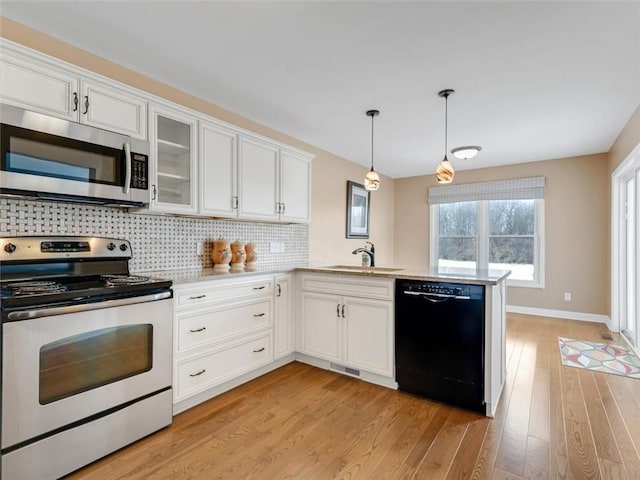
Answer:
(440, 341)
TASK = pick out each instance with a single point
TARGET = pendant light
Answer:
(445, 172)
(372, 179)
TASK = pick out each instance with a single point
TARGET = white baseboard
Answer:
(545, 312)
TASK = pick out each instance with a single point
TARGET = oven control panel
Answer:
(48, 247)
(38, 248)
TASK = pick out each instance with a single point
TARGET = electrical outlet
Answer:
(281, 247)
(200, 248)
(273, 247)
(567, 296)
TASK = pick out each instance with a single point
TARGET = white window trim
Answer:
(482, 240)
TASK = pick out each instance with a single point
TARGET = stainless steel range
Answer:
(86, 353)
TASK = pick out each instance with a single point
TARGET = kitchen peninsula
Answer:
(442, 300)
(339, 317)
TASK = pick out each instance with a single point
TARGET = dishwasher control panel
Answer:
(416, 287)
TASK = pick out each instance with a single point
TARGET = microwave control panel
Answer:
(139, 171)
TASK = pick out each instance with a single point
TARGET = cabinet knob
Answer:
(86, 104)
(10, 248)
(257, 315)
(259, 350)
(196, 330)
(197, 373)
(75, 101)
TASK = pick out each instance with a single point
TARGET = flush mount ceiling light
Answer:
(372, 179)
(465, 153)
(445, 172)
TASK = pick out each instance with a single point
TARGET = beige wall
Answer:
(576, 229)
(627, 140)
(327, 242)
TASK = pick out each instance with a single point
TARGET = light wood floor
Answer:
(301, 422)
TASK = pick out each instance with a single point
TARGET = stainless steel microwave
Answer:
(53, 159)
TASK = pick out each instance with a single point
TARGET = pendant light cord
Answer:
(372, 141)
(446, 124)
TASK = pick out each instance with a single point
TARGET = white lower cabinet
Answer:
(353, 331)
(225, 362)
(222, 330)
(284, 327)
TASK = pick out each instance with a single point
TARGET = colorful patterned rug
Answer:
(601, 357)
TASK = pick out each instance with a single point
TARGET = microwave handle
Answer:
(127, 167)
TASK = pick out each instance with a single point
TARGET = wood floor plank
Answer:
(300, 422)
(465, 459)
(513, 444)
(437, 462)
(581, 452)
(603, 436)
(537, 461)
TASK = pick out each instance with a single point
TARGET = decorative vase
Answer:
(252, 256)
(238, 255)
(221, 255)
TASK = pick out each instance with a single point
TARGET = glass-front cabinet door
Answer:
(173, 140)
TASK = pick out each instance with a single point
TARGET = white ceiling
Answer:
(533, 80)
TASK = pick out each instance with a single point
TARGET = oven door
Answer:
(63, 368)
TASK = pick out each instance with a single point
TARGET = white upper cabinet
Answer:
(218, 157)
(173, 152)
(30, 81)
(248, 177)
(110, 108)
(258, 179)
(38, 87)
(295, 187)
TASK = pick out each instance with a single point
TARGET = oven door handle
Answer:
(85, 307)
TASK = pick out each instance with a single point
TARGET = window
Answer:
(489, 233)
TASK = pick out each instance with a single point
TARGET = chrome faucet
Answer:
(369, 251)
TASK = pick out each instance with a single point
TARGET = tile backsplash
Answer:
(159, 242)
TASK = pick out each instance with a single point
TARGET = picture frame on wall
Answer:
(358, 203)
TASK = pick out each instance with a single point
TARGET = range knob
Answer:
(111, 246)
(123, 247)
(10, 248)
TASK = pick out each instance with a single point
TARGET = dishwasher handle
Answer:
(436, 297)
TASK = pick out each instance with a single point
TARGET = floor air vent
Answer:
(343, 369)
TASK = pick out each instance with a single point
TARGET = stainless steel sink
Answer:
(363, 269)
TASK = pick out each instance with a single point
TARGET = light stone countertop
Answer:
(459, 275)
(469, 276)
(190, 275)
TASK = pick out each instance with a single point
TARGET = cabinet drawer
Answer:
(215, 324)
(209, 292)
(349, 285)
(202, 372)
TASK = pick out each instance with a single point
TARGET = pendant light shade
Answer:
(445, 171)
(372, 179)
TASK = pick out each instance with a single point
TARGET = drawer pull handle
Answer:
(259, 288)
(197, 297)
(197, 373)
(196, 330)
(258, 315)
(259, 350)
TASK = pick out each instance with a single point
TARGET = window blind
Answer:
(515, 189)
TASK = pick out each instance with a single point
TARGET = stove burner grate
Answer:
(35, 288)
(117, 280)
